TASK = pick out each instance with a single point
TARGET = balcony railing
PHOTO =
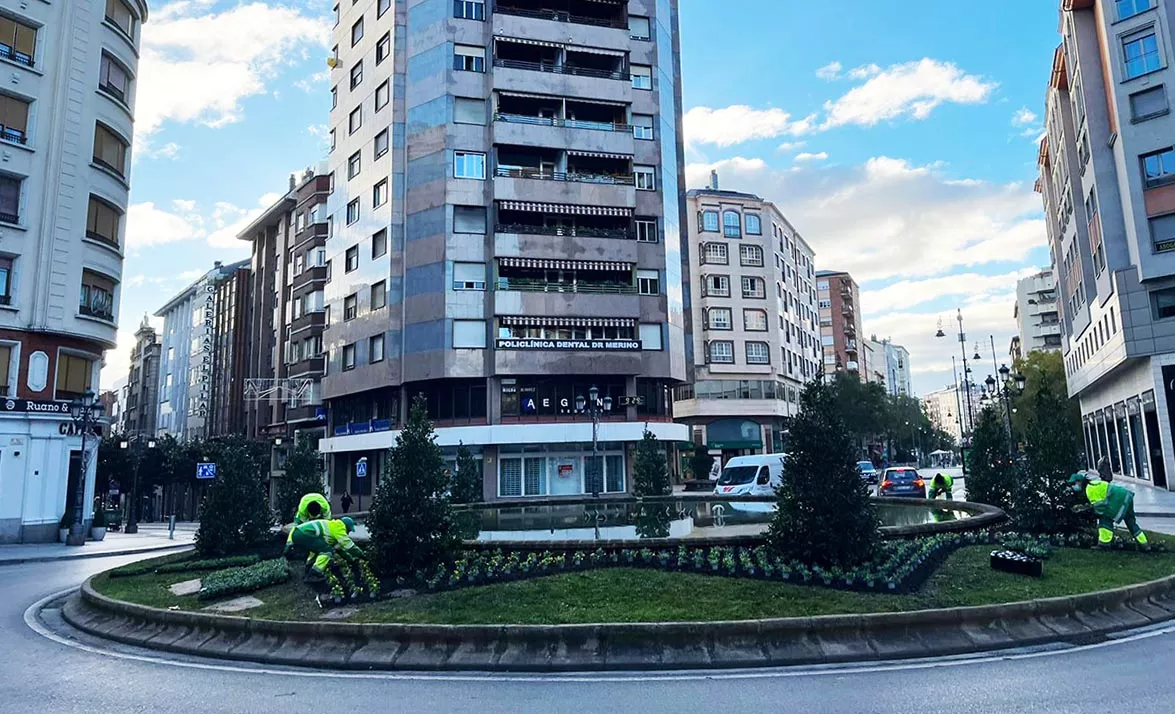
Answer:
(561, 69)
(7, 52)
(576, 231)
(7, 217)
(101, 239)
(5, 299)
(568, 123)
(102, 313)
(540, 286)
(14, 136)
(113, 91)
(573, 177)
(559, 16)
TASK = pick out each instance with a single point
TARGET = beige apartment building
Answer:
(838, 302)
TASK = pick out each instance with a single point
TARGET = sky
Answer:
(898, 138)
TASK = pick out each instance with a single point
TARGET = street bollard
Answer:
(171, 527)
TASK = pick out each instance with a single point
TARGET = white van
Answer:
(751, 475)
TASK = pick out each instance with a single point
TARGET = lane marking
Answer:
(839, 670)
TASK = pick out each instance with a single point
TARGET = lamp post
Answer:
(135, 445)
(85, 412)
(1001, 391)
(966, 384)
(594, 407)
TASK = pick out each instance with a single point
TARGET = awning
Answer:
(565, 209)
(518, 321)
(527, 41)
(553, 264)
(524, 95)
(600, 155)
(603, 102)
(594, 51)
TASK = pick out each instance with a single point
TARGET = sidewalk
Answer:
(151, 537)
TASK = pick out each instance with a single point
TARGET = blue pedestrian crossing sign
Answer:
(205, 470)
(361, 468)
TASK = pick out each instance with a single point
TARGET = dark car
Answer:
(868, 472)
(902, 481)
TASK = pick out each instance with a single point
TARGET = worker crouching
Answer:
(1112, 504)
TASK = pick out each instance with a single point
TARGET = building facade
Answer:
(506, 234)
(230, 353)
(838, 301)
(1106, 169)
(1038, 321)
(888, 365)
(140, 407)
(68, 117)
(755, 337)
(950, 411)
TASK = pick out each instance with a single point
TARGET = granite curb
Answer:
(823, 639)
(94, 554)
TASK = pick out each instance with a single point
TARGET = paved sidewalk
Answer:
(151, 537)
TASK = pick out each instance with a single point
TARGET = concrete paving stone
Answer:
(1025, 630)
(793, 647)
(1149, 610)
(986, 634)
(168, 636)
(376, 654)
(332, 652)
(237, 604)
(640, 646)
(915, 642)
(576, 649)
(480, 651)
(187, 587)
(519, 652)
(844, 646)
(425, 655)
(1064, 625)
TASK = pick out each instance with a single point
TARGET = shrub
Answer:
(651, 469)
(184, 566)
(303, 475)
(467, 478)
(992, 475)
(236, 581)
(235, 516)
(700, 464)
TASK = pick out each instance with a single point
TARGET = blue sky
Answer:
(897, 137)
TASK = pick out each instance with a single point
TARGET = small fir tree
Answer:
(650, 470)
(824, 515)
(1053, 447)
(467, 478)
(700, 464)
(992, 474)
(234, 516)
(411, 520)
(303, 475)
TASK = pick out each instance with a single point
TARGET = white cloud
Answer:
(790, 146)
(314, 82)
(149, 225)
(170, 150)
(972, 286)
(829, 71)
(198, 66)
(1023, 117)
(735, 124)
(864, 71)
(229, 220)
(913, 89)
(805, 156)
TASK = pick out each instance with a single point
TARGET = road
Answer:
(43, 675)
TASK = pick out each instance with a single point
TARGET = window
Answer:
(826, 340)
(334, 97)
(355, 120)
(645, 178)
(113, 79)
(642, 126)
(717, 286)
(1163, 232)
(719, 318)
(348, 357)
(383, 95)
(721, 352)
(5, 280)
(754, 320)
(648, 282)
(750, 256)
(638, 27)
(18, 41)
(469, 164)
(357, 32)
(469, 334)
(1148, 103)
(646, 230)
(379, 295)
(1158, 168)
(74, 376)
(109, 150)
(467, 58)
(102, 221)
(379, 194)
(357, 74)
(381, 143)
(382, 6)
(332, 139)
(120, 14)
(1141, 51)
(351, 260)
(642, 77)
(716, 254)
(754, 227)
(754, 287)
(469, 111)
(97, 296)
(350, 307)
(1163, 302)
(354, 165)
(14, 119)
(352, 211)
(375, 349)
(469, 9)
(469, 219)
(731, 224)
(758, 353)
(469, 276)
(710, 221)
(1130, 8)
(379, 243)
(383, 48)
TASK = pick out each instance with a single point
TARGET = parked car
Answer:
(902, 481)
(751, 476)
(868, 472)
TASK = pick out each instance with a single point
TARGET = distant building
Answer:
(140, 408)
(1038, 323)
(949, 410)
(840, 323)
(888, 365)
(230, 353)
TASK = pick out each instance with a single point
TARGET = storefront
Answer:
(560, 470)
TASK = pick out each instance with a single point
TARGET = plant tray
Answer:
(1010, 561)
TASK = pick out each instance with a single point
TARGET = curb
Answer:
(85, 556)
(773, 642)
(1155, 514)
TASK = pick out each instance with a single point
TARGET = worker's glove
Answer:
(1081, 508)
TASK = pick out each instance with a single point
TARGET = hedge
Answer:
(184, 566)
(236, 581)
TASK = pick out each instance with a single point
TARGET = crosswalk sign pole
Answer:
(360, 472)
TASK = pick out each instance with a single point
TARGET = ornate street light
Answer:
(135, 444)
(85, 413)
(594, 407)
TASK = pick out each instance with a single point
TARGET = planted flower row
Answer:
(184, 566)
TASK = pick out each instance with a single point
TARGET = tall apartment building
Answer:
(1107, 166)
(66, 125)
(140, 407)
(288, 313)
(230, 353)
(188, 355)
(888, 365)
(1038, 320)
(838, 301)
(949, 410)
(753, 309)
(506, 234)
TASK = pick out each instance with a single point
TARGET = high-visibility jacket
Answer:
(1109, 500)
(303, 513)
(942, 481)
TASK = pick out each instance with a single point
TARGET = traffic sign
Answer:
(361, 468)
(205, 470)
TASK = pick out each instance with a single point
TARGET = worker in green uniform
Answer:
(1112, 504)
(326, 540)
(312, 507)
(941, 483)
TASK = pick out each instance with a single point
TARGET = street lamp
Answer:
(594, 407)
(135, 444)
(966, 386)
(85, 412)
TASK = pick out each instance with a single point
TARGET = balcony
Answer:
(9, 53)
(307, 277)
(554, 68)
(307, 321)
(7, 217)
(97, 311)
(309, 367)
(585, 13)
(13, 135)
(566, 123)
(571, 230)
(542, 286)
(540, 174)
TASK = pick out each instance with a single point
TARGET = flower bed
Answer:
(238, 581)
(184, 566)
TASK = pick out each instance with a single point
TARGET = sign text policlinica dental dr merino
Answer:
(540, 344)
